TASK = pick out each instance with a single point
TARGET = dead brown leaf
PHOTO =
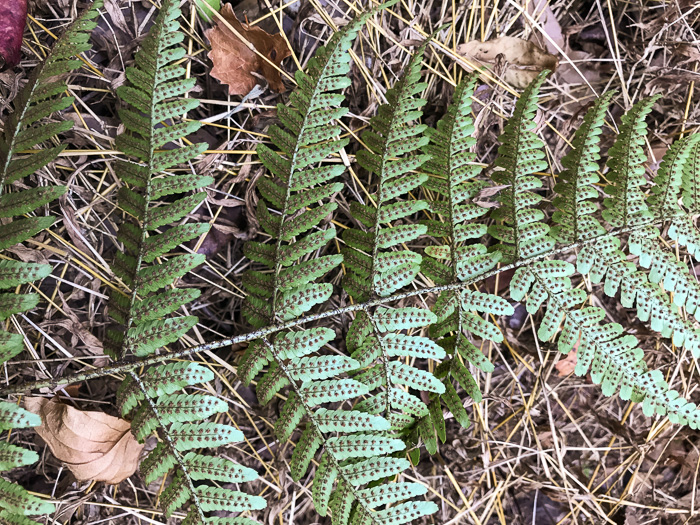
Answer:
(94, 445)
(235, 63)
(523, 60)
(567, 365)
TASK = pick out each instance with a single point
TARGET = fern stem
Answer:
(123, 367)
(385, 360)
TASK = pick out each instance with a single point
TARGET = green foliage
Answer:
(576, 187)
(520, 156)
(289, 290)
(145, 312)
(391, 155)
(310, 135)
(25, 129)
(457, 312)
(363, 405)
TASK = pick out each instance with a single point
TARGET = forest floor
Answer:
(545, 447)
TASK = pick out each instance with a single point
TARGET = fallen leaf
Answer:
(523, 60)
(567, 365)
(575, 66)
(235, 63)
(13, 17)
(115, 13)
(94, 445)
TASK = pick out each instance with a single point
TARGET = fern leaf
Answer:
(326, 474)
(613, 359)
(310, 135)
(305, 450)
(391, 137)
(362, 446)
(348, 421)
(145, 315)
(450, 146)
(520, 155)
(12, 456)
(375, 496)
(689, 175)
(17, 501)
(201, 467)
(673, 176)
(576, 186)
(41, 96)
(7, 518)
(393, 320)
(369, 470)
(161, 380)
(626, 205)
(289, 290)
(605, 258)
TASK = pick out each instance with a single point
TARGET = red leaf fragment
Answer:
(13, 18)
(234, 62)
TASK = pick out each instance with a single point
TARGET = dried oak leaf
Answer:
(13, 17)
(234, 62)
(93, 445)
(524, 60)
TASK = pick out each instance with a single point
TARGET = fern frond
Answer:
(154, 83)
(145, 318)
(290, 291)
(362, 441)
(576, 187)
(626, 205)
(604, 259)
(310, 135)
(392, 154)
(683, 228)
(613, 359)
(457, 312)
(24, 129)
(520, 155)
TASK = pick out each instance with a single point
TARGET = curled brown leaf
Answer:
(93, 445)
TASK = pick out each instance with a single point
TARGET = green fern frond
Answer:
(392, 154)
(626, 205)
(144, 315)
(683, 228)
(154, 83)
(310, 135)
(289, 291)
(42, 95)
(613, 359)
(457, 312)
(520, 155)
(24, 130)
(627, 159)
(576, 187)
(674, 173)
(361, 439)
